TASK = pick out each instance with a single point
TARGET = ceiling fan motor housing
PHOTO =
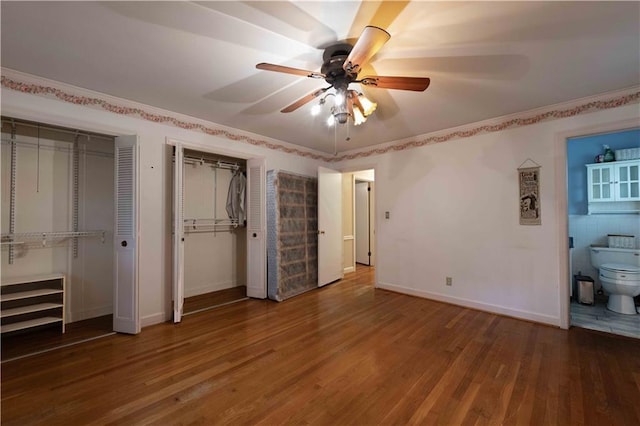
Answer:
(334, 58)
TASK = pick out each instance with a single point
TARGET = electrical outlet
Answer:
(449, 281)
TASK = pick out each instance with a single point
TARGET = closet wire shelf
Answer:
(209, 225)
(44, 237)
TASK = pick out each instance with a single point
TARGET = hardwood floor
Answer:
(343, 354)
(216, 298)
(16, 345)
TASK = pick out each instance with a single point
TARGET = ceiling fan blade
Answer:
(311, 96)
(417, 84)
(289, 70)
(370, 41)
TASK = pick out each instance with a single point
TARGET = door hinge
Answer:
(369, 254)
(368, 188)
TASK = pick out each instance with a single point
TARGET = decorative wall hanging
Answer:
(529, 179)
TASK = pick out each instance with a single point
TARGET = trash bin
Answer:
(584, 287)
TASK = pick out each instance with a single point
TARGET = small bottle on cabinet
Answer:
(608, 154)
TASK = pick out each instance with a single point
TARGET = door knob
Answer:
(123, 244)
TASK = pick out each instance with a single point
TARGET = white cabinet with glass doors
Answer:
(614, 182)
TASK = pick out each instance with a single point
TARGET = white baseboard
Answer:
(481, 306)
(88, 313)
(157, 318)
(208, 288)
(349, 269)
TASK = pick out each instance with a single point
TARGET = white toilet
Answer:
(619, 272)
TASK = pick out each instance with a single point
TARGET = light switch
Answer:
(386, 215)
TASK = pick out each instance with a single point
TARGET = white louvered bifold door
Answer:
(256, 229)
(178, 233)
(125, 301)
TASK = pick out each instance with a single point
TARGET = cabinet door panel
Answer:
(628, 182)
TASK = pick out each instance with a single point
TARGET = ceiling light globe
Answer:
(315, 110)
(358, 118)
(367, 106)
(330, 121)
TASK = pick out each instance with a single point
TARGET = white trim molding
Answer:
(473, 304)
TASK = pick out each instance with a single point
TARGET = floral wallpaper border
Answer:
(37, 89)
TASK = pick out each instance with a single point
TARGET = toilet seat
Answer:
(614, 267)
(620, 272)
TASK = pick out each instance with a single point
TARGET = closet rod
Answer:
(214, 163)
(56, 129)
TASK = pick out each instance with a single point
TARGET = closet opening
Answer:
(58, 198)
(211, 260)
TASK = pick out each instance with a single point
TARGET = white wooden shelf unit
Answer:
(33, 301)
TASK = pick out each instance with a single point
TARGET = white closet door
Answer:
(178, 233)
(126, 318)
(256, 229)
(330, 238)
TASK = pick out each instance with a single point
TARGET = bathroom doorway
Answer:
(589, 225)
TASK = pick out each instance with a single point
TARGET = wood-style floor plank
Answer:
(343, 354)
(212, 299)
(21, 343)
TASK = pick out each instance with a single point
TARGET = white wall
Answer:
(91, 283)
(212, 260)
(44, 204)
(155, 177)
(454, 212)
(453, 206)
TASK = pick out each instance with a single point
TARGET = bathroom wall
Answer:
(588, 230)
(582, 151)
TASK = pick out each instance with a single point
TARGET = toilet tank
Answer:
(602, 255)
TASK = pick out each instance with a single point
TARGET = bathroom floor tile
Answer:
(598, 317)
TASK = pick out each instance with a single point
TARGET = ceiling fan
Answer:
(342, 64)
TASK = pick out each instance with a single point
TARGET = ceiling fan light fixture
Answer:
(331, 121)
(315, 110)
(358, 117)
(368, 107)
(342, 117)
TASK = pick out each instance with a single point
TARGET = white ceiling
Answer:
(485, 59)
